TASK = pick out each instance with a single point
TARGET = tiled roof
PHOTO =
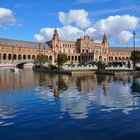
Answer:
(19, 43)
(64, 41)
(123, 49)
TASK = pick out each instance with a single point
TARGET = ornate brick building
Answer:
(82, 50)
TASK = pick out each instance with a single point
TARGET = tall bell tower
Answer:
(55, 41)
(105, 44)
(55, 35)
(105, 48)
(55, 45)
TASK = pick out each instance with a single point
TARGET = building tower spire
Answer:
(55, 35)
(105, 42)
(55, 41)
(104, 39)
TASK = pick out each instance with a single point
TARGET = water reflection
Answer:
(6, 114)
(77, 95)
(11, 81)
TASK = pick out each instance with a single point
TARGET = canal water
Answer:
(60, 107)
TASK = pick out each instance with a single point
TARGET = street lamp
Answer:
(134, 59)
(44, 50)
(39, 48)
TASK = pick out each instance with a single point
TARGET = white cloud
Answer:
(39, 37)
(45, 34)
(70, 32)
(116, 27)
(6, 17)
(124, 37)
(65, 33)
(76, 17)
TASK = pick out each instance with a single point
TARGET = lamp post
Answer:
(39, 48)
(134, 59)
(44, 50)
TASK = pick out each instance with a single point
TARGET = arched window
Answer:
(50, 57)
(100, 58)
(9, 56)
(72, 58)
(29, 56)
(33, 56)
(19, 57)
(24, 56)
(79, 58)
(111, 58)
(76, 58)
(14, 56)
(68, 57)
(4, 56)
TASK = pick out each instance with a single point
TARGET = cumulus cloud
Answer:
(124, 37)
(76, 17)
(6, 17)
(116, 27)
(66, 33)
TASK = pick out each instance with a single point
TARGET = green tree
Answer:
(41, 59)
(61, 59)
(135, 55)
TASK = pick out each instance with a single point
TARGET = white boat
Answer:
(14, 69)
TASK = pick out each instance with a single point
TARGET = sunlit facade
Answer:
(82, 50)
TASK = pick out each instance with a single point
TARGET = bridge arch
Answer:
(21, 63)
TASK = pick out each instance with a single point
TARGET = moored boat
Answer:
(14, 69)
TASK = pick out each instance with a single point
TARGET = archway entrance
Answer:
(100, 58)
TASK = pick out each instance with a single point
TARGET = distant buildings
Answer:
(82, 50)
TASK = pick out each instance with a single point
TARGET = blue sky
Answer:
(30, 16)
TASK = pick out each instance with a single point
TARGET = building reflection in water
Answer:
(77, 93)
(10, 80)
(135, 89)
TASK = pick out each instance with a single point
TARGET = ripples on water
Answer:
(41, 106)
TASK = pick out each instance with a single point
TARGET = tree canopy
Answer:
(135, 55)
(61, 59)
(41, 59)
